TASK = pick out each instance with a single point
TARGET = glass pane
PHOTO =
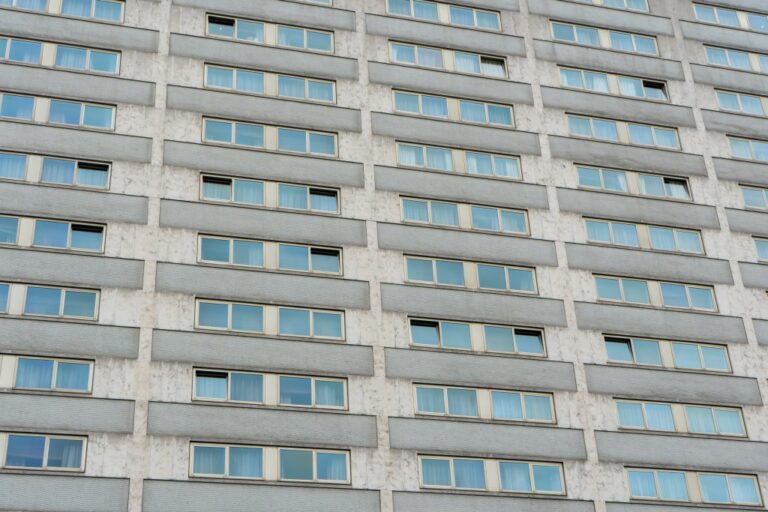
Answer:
(714, 488)
(472, 112)
(42, 301)
(71, 58)
(436, 472)
(218, 131)
(410, 155)
(450, 273)
(630, 415)
(619, 351)
(322, 144)
(287, 36)
(547, 478)
(221, 27)
(538, 408)
(319, 41)
(462, 402)
(625, 234)
(25, 51)
(4, 297)
(491, 276)
(247, 318)
(507, 406)
(321, 91)
(674, 295)
(293, 196)
(248, 253)
(640, 134)
(462, 16)
(605, 130)
(425, 333)
(434, 106)
(425, 10)
(249, 135)
(521, 280)
(219, 77)
(467, 63)
(597, 82)
(25, 451)
(700, 420)
(445, 214)
(571, 78)
(672, 486)
(430, 400)
(291, 87)
(79, 304)
(659, 417)
(103, 62)
(662, 239)
(485, 218)
(515, 476)
(208, 460)
(325, 261)
(499, 115)
(8, 230)
(73, 376)
(499, 339)
(529, 342)
(469, 474)
(686, 356)
(689, 241)
(415, 210)
(419, 270)
(479, 163)
(323, 200)
(294, 322)
(507, 167)
(456, 335)
(245, 462)
(250, 81)
(51, 234)
(744, 490)
(563, 32)
(430, 57)
(631, 87)
(296, 464)
(329, 393)
(249, 192)
(332, 467)
(13, 166)
(403, 53)
(588, 36)
(111, 11)
(250, 31)
(753, 198)
(647, 352)
(642, 484)
(702, 298)
(214, 249)
(211, 385)
(291, 140)
(80, 8)
(513, 222)
(715, 358)
(327, 325)
(615, 180)
(608, 289)
(402, 7)
(97, 117)
(18, 107)
(65, 453)
(598, 231)
(86, 238)
(213, 315)
(246, 387)
(296, 391)
(294, 257)
(34, 373)
(589, 177)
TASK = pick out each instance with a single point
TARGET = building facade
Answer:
(383, 255)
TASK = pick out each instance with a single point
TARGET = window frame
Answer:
(229, 304)
(341, 314)
(230, 263)
(70, 229)
(54, 373)
(45, 466)
(446, 403)
(313, 392)
(227, 448)
(347, 455)
(228, 399)
(89, 52)
(62, 302)
(83, 106)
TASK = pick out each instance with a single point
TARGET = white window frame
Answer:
(226, 461)
(54, 373)
(62, 300)
(229, 399)
(315, 452)
(45, 467)
(229, 305)
(313, 383)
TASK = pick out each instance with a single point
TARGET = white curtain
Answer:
(469, 474)
(245, 462)
(672, 486)
(462, 402)
(416, 210)
(77, 7)
(412, 156)
(12, 166)
(330, 393)
(515, 476)
(291, 87)
(71, 58)
(479, 163)
(72, 376)
(248, 253)
(208, 385)
(34, 374)
(332, 466)
(467, 63)
(65, 453)
(538, 407)
(438, 158)
(659, 417)
(700, 420)
(246, 387)
(445, 214)
(58, 171)
(642, 484)
(292, 196)
(208, 460)
(436, 472)
(507, 406)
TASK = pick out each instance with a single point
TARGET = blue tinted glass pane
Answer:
(507, 167)
(625, 234)
(714, 488)
(462, 402)
(290, 86)
(729, 422)
(218, 131)
(250, 81)
(605, 130)
(79, 304)
(250, 31)
(702, 298)
(450, 272)
(25, 51)
(507, 406)
(296, 391)
(469, 474)
(589, 177)
(538, 408)
(245, 462)
(472, 112)
(588, 36)
(659, 417)
(86, 238)
(74, 376)
(405, 102)
(321, 91)
(674, 295)
(219, 77)
(513, 222)
(103, 62)
(479, 163)
(247, 318)
(319, 41)
(647, 352)
(515, 476)
(462, 16)
(291, 140)
(485, 218)
(579, 126)
(12, 166)
(25, 451)
(419, 270)
(65, 453)
(431, 57)
(402, 7)
(294, 257)
(248, 253)
(291, 196)
(715, 358)
(499, 339)
(744, 490)
(672, 486)
(324, 201)
(4, 297)
(456, 335)
(424, 333)
(249, 135)
(416, 211)
(492, 277)
(686, 355)
(17, 107)
(296, 465)
(212, 314)
(329, 393)
(636, 291)
(294, 322)
(521, 280)
(8, 230)
(97, 117)
(630, 415)
(208, 460)
(434, 106)
(246, 191)
(325, 261)
(619, 351)
(76, 7)
(34, 373)
(404, 53)
(430, 400)
(38, 5)
(42, 301)
(246, 387)
(598, 231)
(547, 478)
(287, 36)
(322, 144)
(211, 385)
(642, 484)
(499, 115)
(92, 177)
(608, 289)
(71, 58)
(488, 20)
(111, 11)
(410, 155)
(214, 249)
(327, 325)
(529, 342)
(332, 467)
(65, 112)
(436, 472)
(51, 234)
(563, 32)
(700, 420)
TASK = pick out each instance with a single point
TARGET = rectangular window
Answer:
(9, 230)
(443, 159)
(685, 296)
(74, 173)
(602, 179)
(21, 50)
(731, 18)
(305, 141)
(594, 128)
(673, 295)
(311, 323)
(61, 302)
(755, 197)
(614, 289)
(242, 80)
(742, 103)
(445, 14)
(446, 401)
(714, 420)
(645, 237)
(496, 219)
(435, 271)
(699, 419)
(453, 61)
(255, 32)
(4, 290)
(646, 416)
(301, 258)
(86, 59)
(644, 135)
(681, 355)
(299, 197)
(762, 249)
(421, 104)
(230, 132)
(13, 166)
(716, 488)
(441, 107)
(613, 131)
(606, 83)
(661, 186)
(87, 115)
(612, 233)
(227, 386)
(229, 251)
(232, 190)
(515, 279)
(747, 149)
(32, 5)
(590, 36)
(439, 213)
(14, 106)
(305, 89)
(227, 461)
(305, 39)
(485, 164)
(64, 375)
(516, 406)
(44, 452)
(737, 59)
(105, 10)
(493, 338)
(633, 43)
(475, 18)
(631, 5)
(314, 392)
(483, 218)
(68, 235)
(314, 466)
(228, 316)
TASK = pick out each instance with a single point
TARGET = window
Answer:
(636, 134)
(228, 386)
(755, 197)
(235, 79)
(676, 240)
(430, 157)
(442, 159)
(644, 135)
(507, 340)
(668, 485)
(298, 197)
(228, 251)
(441, 334)
(485, 113)
(229, 132)
(225, 461)
(68, 235)
(60, 302)
(9, 230)
(305, 88)
(593, 128)
(749, 149)
(86, 59)
(634, 351)
(230, 316)
(448, 60)
(295, 37)
(739, 102)
(43, 452)
(661, 186)
(633, 43)
(736, 59)
(633, 5)
(467, 17)
(413, 8)
(53, 374)
(14, 106)
(736, 489)
(495, 277)
(531, 477)
(421, 104)
(675, 295)
(616, 289)
(514, 476)
(646, 416)
(36, 5)
(309, 259)
(74, 172)
(20, 50)
(606, 83)
(232, 190)
(714, 420)
(698, 419)
(659, 485)
(456, 15)
(431, 212)
(434, 271)
(314, 465)
(4, 290)
(575, 34)
(590, 36)
(106, 10)
(613, 233)
(452, 473)
(312, 392)
(496, 219)
(718, 15)
(492, 165)
(644, 237)
(697, 356)
(603, 179)
(589, 80)
(81, 114)
(516, 406)
(494, 338)
(305, 141)
(762, 249)
(442, 401)
(680, 355)
(13, 166)
(416, 55)
(310, 323)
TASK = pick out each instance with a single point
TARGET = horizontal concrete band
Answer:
(70, 269)
(477, 439)
(735, 124)
(255, 353)
(85, 32)
(502, 5)
(754, 275)
(461, 187)
(724, 36)
(45, 337)
(608, 18)
(453, 134)
(44, 493)
(449, 243)
(75, 142)
(624, 156)
(673, 386)
(236, 424)
(749, 5)
(263, 57)
(640, 321)
(315, 16)
(679, 452)
(728, 78)
(71, 204)
(261, 223)
(448, 83)
(472, 305)
(444, 502)
(480, 370)
(615, 107)
(608, 60)
(58, 414)
(743, 221)
(68, 84)
(190, 496)
(761, 329)
(234, 105)
(648, 264)
(658, 507)
(264, 165)
(744, 172)
(638, 209)
(446, 36)
(258, 286)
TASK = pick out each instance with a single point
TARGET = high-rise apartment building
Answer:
(383, 255)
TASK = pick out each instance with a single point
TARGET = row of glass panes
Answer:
(454, 109)
(52, 170)
(655, 293)
(280, 256)
(447, 60)
(691, 419)
(251, 135)
(737, 59)
(616, 85)
(667, 354)
(51, 234)
(465, 216)
(499, 339)
(43, 452)
(48, 374)
(260, 319)
(59, 112)
(438, 158)
(603, 38)
(270, 84)
(103, 10)
(256, 193)
(694, 487)
(270, 34)
(630, 5)
(64, 56)
(635, 183)
(48, 301)
(624, 132)
(731, 17)
(749, 149)
(445, 14)
(642, 236)
(470, 275)
(484, 403)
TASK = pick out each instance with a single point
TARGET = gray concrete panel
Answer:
(644, 321)
(608, 60)
(69, 84)
(450, 84)
(482, 439)
(461, 187)
(314, 16)
(264, 287)
(44, 493)
(446, 502)
(649, 264)
(480, 370)
(72, 204)
(261, 223)
(46, 337)
(233, 105)
(472, 305)
(413, 31)
(453, 243)
(263, 57)
(682, 452)
(744, 221)
(629, 109)
(236, 425)
(191, 496)
(754, 275)
(624, 156)
(61, 414)
(257, 164)
(744, 172)
(257, 353)
(724, 36)
(70, 269)
(76, 142)
(607, 18)
(735, 124)
(447, 133)
(86, 32)
(638, 209)
(749, 5)
(657, 507)
(673, 386)
(728, 78)
(761, 330)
